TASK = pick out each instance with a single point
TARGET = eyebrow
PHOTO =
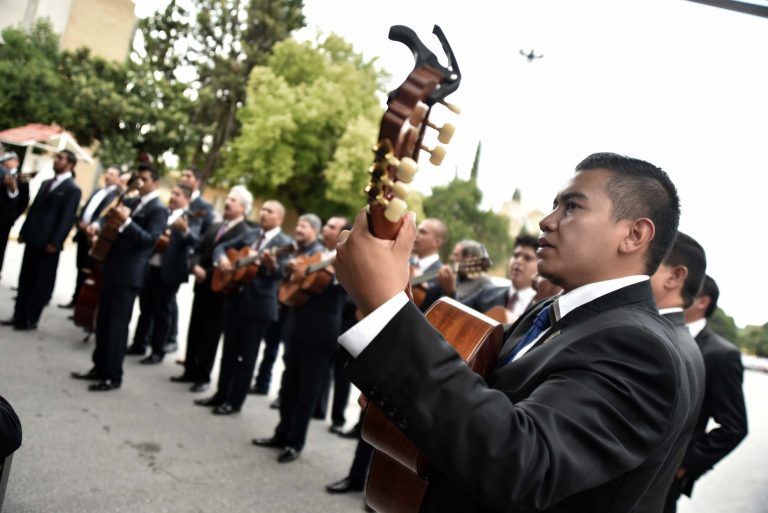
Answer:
(570, 196)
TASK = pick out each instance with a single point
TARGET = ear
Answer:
(678, 275)
(701, 303)
(639, 235)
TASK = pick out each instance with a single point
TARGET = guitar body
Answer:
(87, 302)
(162, 242)
(106, 237)
(396, 481)
(300, 285)
(247, 272)
(224, 281)
(498, 314)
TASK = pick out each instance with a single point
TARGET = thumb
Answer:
(407, 234)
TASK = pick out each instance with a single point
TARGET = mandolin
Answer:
(244, 266)
(397, 480)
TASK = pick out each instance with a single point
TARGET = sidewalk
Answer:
(145, 447)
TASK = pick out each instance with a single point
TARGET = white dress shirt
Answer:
(60, 178)
(96, 200)
(427, 261)
(359, 336)
(157, 258)
(697, 326)
(524, 298)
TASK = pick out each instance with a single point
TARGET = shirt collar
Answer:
(427, 261)
(195, 195)
(62, 176)
(522, 294)
(269, 234)
(570, 301)
(674, 309)
(697, 326)
(149, 197)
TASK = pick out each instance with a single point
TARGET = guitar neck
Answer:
(319, 266)
(418, 280)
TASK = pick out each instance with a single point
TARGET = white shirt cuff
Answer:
(12, 194)
(359, 336)
(124, 225)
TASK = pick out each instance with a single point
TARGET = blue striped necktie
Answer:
(543, 322)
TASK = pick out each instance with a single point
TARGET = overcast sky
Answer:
(680, 84)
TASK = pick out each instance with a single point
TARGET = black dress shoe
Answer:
(258, 391)
(288, 455)
(89, 375)
(182, 379)
(198, 387)
(275, 405)
(25, 326)
(343, 486)
(272, 442)
(152, 359)
(67, 306)
(336, 429)
(225, 409)
(170, 347)
(353, 433)
(104, 386)
(209, 401)
(134, 350)
(8, 322)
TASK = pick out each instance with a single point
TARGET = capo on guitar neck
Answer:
(423, 56)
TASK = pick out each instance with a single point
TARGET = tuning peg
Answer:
(400, 190)
(418, 114)
(395, 210)
(406, 169)
(437, 154)
(453, 108)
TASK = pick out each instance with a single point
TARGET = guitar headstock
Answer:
(472, 267)
(402, 130)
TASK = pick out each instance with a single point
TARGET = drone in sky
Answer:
(531, 56)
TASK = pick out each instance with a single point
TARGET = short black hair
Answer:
(686, 251)
(195, 171)
(709, 288)
(640, 189)
(149, 167)
(527, 240)
(71, 158)
(186, 189)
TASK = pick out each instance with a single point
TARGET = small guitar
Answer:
(397, 478)
(467, 267)
(244, 266)
(310, 276)
(165, 238)
(109, 229)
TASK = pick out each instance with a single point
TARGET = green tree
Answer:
(310, 119)
(210, 50)
(724, 325)
(457, 203)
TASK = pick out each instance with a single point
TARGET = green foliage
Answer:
(457, 204)
(724, 325)
(309, 121)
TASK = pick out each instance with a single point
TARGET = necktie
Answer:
(220, 231)
(258, 244)
(542, 322)
(512, 301)
(49, 185)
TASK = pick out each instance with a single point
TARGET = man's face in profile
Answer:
(580, 239)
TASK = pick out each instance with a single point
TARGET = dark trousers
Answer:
(83, 262)
(113, 317)
(36, 281)
(361, 463)
(306, 366)
(675, 491)
(155, 301)
(5, 230)
(341, 387)
(272, 339)
(238, 360)
(205, 327)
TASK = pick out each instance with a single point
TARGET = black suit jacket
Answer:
(723, 402)
(433, 288)
(176, 266)
(318, 321)
(81, 236)
(10, 429)
(199, 204)
(583, 422)
(12, 208)
(126, 262)
(257, 299)
(51, 215)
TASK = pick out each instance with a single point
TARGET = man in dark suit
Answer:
(675, 285)
(516, 297)
(169, 267)
(48, 222)
(311, 341)
(723, 398)
(91, 211)
(142, 221)
(203, 211)
(14, 197)
(431, 236)
(248, 311)
(590, 394)
(206, 319)
(10, 430)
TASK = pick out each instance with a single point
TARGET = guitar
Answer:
(467, 267)
(310, 276)
(165, 238)
(244, 266)
(109, 230)
(397, 480)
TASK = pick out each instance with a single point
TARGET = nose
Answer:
(549, 223)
